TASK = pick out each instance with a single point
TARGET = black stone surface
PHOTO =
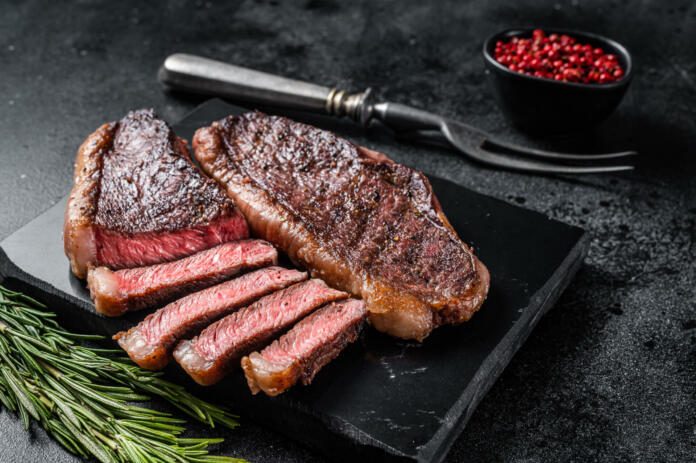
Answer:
(609, 373)
(383, 398)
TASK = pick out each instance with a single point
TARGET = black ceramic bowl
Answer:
(545, 105)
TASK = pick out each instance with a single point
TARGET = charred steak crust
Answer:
(310, 345)
(115, 293)
(149, 183)
(151, 342)
(134, 186)
(78, 235)
(352, 216)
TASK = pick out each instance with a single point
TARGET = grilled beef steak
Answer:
(150, 343)
(137, 199)
(115, 293)
(304, 350)
(353, 217)
(208, 357)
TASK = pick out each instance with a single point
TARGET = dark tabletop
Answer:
(610, 372)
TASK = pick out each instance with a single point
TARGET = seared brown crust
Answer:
(81, 208)
(353, 217)
(149, 184)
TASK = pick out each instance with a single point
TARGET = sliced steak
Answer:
(137, 199)
(353, 217)
(208, 357)
(304, 350)
(115, 293)
(151, 342)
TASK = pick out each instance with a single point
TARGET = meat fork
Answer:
(206, 76)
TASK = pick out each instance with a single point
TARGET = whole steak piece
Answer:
(353, 217)
(137, 199)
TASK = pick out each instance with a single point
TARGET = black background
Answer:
(610, 372)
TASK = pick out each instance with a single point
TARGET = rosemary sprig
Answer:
(82, 395)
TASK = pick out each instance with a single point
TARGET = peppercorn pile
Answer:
(558, 57)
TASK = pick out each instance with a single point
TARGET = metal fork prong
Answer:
(470, 142)
(506, 162)
(553, 155)
(436, 136)
(497, 160)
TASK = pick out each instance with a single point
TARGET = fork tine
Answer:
(437, 136)
(553, 155)
(524, 165)
(477, 153)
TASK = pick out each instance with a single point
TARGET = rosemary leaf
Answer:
(20, 394)
(99, 452)
(64, 407)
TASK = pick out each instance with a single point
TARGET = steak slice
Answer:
(304, 350)
(353, 217)
(208, 357)
(137, 199)
(151, 342)
(115, 293)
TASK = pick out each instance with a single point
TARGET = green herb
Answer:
(82, 395)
